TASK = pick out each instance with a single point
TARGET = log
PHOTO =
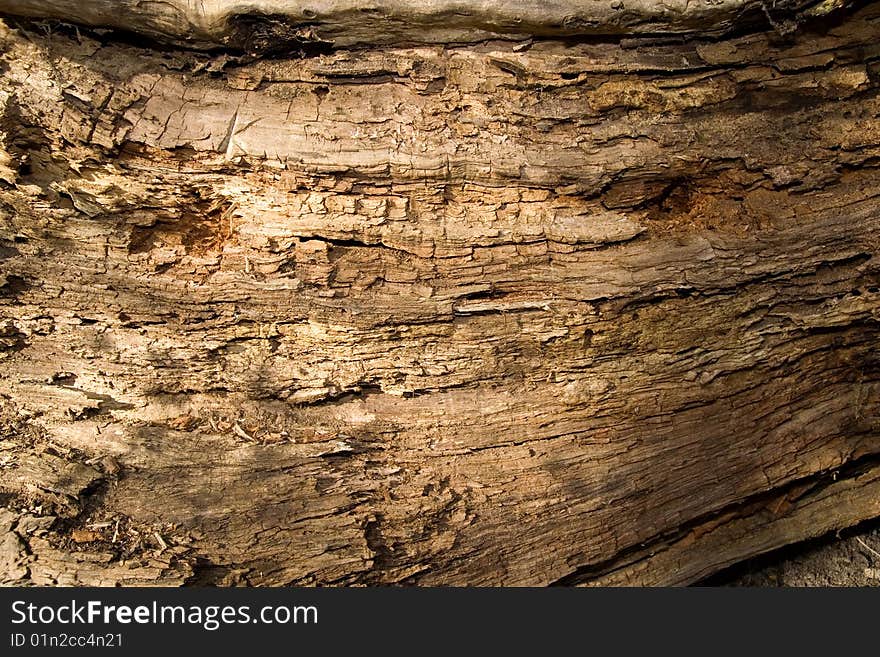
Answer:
(439, 293)
(272, 25)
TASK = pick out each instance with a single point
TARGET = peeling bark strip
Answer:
(573, 312)
(264, 25)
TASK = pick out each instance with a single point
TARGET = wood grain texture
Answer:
(507, 313)
(271, 25)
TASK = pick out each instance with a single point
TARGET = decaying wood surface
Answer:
(558, 310)
(273, 25)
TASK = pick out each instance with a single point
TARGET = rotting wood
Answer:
(579, 311)
(272, 25)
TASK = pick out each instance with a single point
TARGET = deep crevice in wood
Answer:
(792, 493)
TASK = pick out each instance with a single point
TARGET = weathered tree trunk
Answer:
(599, 306)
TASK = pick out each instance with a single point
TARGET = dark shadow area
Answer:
(850, 557)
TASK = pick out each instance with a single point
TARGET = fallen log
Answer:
(463, 301)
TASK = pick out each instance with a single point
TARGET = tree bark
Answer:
(270, 25)
(436, 299)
